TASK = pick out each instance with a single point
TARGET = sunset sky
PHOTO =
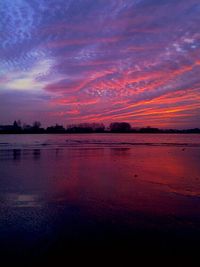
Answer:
(73, 61)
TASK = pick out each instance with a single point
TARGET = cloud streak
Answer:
(101, 60)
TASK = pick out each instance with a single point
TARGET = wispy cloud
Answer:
(101, 60)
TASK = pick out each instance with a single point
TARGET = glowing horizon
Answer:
(100, 61)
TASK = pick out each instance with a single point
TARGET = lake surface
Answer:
(67, 192)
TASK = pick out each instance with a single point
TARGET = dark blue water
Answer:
(98, 192)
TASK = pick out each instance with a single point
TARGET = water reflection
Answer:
(120, 151)
(121, 176)
(142, 179)
(107, 180)
(121, 189)
(16, 154)
(19, 200)
(57, 151)
(36, 154)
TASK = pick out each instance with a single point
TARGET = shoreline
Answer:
(22, 133)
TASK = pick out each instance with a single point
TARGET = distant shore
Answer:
(71, 133)
(88, 128)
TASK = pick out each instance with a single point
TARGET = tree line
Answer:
(114, 127)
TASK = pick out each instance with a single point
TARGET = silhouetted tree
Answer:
(79, 128)
(86, 128)
(17, 126)
(36, 125)
(150, 130)
(98, 127)
(115, 127)
(26, 127)
(55, 129)
(119, 127)
(36, 128)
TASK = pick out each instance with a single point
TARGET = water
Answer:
(60, 192)
(93, 140)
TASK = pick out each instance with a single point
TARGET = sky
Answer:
(75, 61)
